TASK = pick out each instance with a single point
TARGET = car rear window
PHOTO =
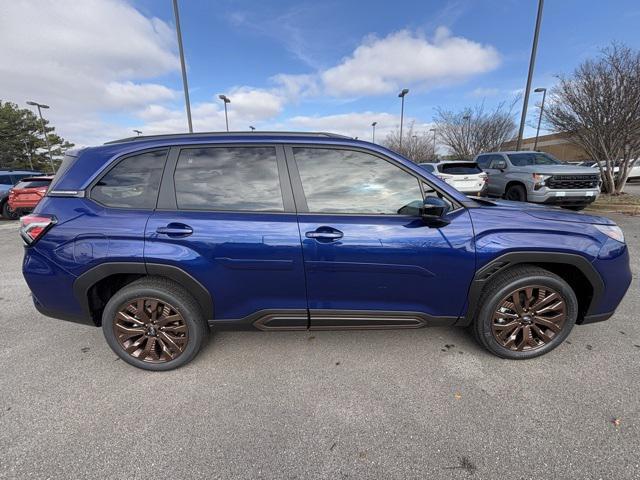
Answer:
(33, 183)
(133, 183)
(470, 168)
(228, 178)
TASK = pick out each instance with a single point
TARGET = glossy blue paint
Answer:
(256, 261)
(389, 263)
(248, 261)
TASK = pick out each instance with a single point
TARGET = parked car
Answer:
(466, 177)
(158, 239)
(634, 174)
(24, 197)
(8, 178)
(540, 178)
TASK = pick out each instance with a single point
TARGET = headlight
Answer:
(612, 231)
(539, 179)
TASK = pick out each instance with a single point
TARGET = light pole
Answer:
(226, 100)
(373, 132)
(402, 95)
(544, 94)
(137, 132)
(253, 129)
(467, 118)
(532, 63)
(44, 132)
(434, 140)
(185, 85)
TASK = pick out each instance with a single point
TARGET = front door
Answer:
(367, 265)
(226, 216)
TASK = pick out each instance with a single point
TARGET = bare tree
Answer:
(416, 146)
(598, 106)
(473, 130)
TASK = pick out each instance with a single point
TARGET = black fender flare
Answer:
(84, 282)
(484, 275)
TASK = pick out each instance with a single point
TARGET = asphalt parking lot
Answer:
(291, 405)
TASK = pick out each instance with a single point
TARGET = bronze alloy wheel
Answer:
(151, 330)
(529, 318)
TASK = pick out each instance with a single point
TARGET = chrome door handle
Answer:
(331, 235)
(175, 230)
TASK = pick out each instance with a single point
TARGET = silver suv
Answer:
(539, 177)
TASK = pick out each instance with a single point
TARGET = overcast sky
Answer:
(108, 66)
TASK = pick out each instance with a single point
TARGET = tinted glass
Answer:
(66, 164)
(346, 181)
(484, 161)
(470, 168)
(427, 166)
(525, 159)
(228, 178)
(497, 159)
(33, 184)
(5, 180)
(132, 183)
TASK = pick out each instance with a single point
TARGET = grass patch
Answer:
(623, 203)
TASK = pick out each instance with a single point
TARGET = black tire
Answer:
(8, 213)
(500, 288)
(516, 193)
(176, 297)
(576, 208)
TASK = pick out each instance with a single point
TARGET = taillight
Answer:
(32, 227)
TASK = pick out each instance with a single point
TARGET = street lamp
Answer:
(185, 85)
(226, 100)
(544, 94)
(137, 132)
(44, 132)
(253, 129)
(434, 140)
(532, 63)
(402, 95)
(373, 132)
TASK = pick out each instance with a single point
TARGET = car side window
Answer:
(484, 161)
(228, 178)
(495, 159)
(133, 182)
(350, 181)
(5, 180)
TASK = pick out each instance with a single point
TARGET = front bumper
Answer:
(563, 197)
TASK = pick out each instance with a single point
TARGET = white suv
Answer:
(466, 177)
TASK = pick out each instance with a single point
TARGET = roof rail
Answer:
(225, 134)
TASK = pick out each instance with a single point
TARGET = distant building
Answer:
(557, 144)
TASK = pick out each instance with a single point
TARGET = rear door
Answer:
(496, 178)
(226, 216)
(366, 264)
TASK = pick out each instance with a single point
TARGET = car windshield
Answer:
(468, 168)
(531, 158)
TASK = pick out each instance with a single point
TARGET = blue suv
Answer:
(159, 239)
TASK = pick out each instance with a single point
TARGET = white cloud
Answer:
(404, 58)
(482, 92)
(354, 124)
(82, 58)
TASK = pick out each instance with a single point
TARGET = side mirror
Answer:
(433, 211)
(500, 164)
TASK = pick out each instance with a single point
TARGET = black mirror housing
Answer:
(433, 211)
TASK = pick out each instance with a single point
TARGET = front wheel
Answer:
(525, 312)
(516, 193)
(8, 213)
(154, 324)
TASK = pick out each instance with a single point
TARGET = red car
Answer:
(24, 197)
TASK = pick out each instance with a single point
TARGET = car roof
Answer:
(510, 151)
(225, 135)
(42, 177)
(19, 172)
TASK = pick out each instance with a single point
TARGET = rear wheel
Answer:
(525, 312)
(154, 324)
(516, 193)
(8, 213)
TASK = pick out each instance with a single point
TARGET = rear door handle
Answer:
(175, 230)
